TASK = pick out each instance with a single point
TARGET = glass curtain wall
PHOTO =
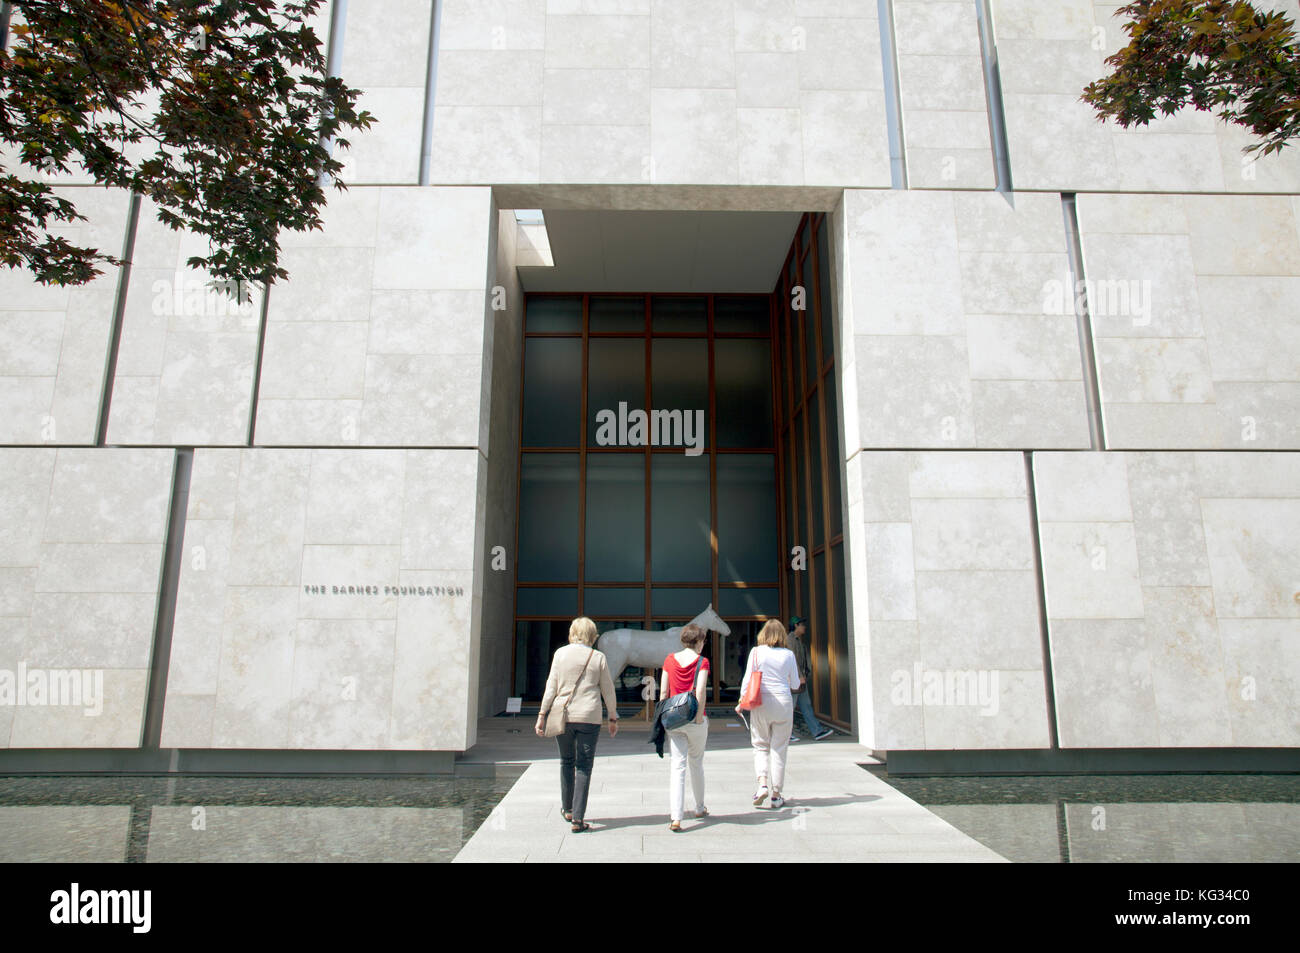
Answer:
(810, 465)
(642, 522)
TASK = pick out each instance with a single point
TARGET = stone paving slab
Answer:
(835, 812)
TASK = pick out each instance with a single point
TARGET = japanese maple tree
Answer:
(1221, 56)
(219, 112)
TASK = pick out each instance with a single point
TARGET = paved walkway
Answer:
(836, 811)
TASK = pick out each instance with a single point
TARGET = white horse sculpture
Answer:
(624, 647)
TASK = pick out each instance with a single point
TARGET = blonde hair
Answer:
(773, 634)
(582, 630)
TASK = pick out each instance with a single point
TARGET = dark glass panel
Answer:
(801, 584)
(618, 602)
(796, 353)
(734, 653)
(840, 640)
(683, 604)
(815, 470)
(680, 548)
(762, 602)
(833, 454)
(554, 314)
(741, 316)
(679, 315)
(793, 517)
(548, 517)
(615, 314)
(562, 602)
(788, 400)
(615, 517)
(810, 352)
(820, 630)
(616, 372)
(747, 544)
(535, 644)
(824, 284)
(552, 400)
(800, 483)
(743, 392)
(679, 381)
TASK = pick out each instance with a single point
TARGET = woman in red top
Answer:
(686, 671)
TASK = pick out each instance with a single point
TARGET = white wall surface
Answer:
(950, 588)
(258, 661)
(1212, 357)
(944, 313)
(81, 545)
(1171, 597)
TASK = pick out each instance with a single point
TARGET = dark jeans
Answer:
(577, 750)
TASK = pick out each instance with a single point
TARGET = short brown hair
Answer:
(691, 634)
(773, 634)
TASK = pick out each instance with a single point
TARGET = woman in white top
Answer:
(771, 722)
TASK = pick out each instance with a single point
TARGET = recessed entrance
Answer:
(674, 449)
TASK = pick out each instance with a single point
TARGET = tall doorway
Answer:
(644, 529)
(743, 511)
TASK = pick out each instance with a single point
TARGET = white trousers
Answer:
(686, 745)
(769, 732)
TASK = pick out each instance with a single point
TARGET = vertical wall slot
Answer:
(119, 313)
(334, 59)
(993, 97)
(1049, 683)
(893, 95)
(168, 584)
(430, 90)
(257, 364)
(1078, 298)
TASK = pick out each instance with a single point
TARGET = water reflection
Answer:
(1120, 818)
(105, 819)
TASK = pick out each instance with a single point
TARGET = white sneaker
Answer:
(778, 802)
(760, 796)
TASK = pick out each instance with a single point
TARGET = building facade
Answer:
(1005, 400)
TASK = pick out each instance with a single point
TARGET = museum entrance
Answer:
(673, 453)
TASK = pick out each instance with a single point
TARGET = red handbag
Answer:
(753, 696)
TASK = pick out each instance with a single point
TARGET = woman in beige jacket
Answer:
(580, 676)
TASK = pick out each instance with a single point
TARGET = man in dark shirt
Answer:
(803, 698)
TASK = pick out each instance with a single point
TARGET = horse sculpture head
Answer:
(711, 621)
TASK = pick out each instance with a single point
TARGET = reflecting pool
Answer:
(1120, 818)
(136, 819)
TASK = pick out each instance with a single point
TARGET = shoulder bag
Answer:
(557, 719)
(753, 696)
(684, 706)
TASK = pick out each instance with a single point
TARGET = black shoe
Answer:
(825, 733)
